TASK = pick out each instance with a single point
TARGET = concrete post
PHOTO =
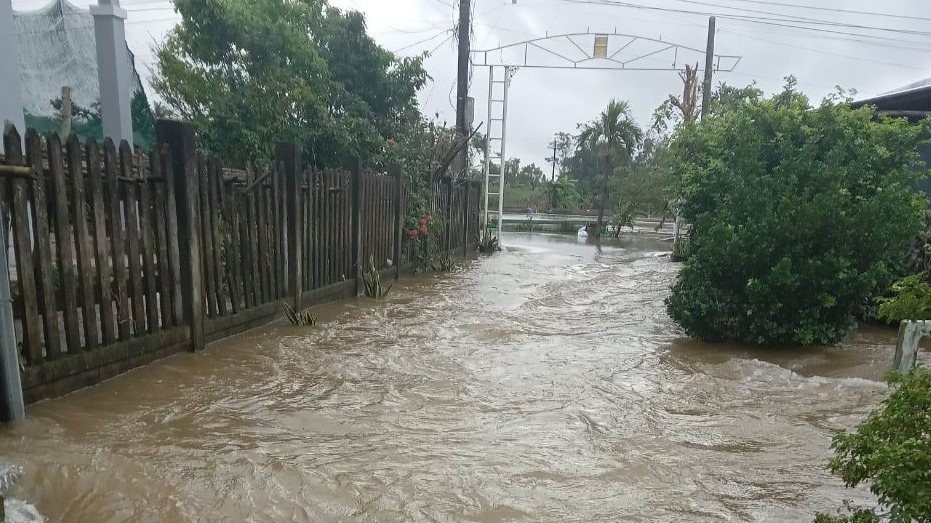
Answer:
(906, 347)
(113, 70)
(11, 387)
(11, 101)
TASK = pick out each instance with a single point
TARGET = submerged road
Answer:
(545, 383)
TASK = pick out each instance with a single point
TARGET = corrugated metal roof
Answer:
(57, 47)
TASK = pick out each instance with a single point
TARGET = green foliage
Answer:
(562, 193)
(301, 318)
(911, 301)
(488, 244)
(442, 263)
(371, 283)
(797, 215)
(891, 451)
(87, 123)
(645, 188)
(249, 73)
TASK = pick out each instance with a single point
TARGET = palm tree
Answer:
(615, 136)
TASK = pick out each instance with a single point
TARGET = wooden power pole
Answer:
(709, 66)
(553, 177)
(462, 86)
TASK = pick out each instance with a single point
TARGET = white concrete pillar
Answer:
(113, 70)
(11, 93)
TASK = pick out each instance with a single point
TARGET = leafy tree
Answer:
(911, 300)
(797, 214)
(646, 188)
(614, 136)
(248, 73)
(562, 193)
(530, 175)
(890, 451)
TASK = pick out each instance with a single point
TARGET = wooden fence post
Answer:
(289, 155)
(398, 174)
(179, 137)
(357, 211)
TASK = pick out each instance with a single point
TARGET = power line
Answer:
(779, 22)
(808, 20)
(859, 58)
(425, 40)
(836, 10)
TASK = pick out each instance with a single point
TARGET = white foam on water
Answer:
(21, 512)
(16, 511)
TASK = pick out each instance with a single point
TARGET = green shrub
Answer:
(796, 214)
(371, 283)
(891, 451)
(912, 301)
(305, 318)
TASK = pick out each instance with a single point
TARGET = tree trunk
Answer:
(604, 198)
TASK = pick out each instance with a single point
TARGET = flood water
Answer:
(545, 383)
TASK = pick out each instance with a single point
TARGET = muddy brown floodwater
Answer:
(542, 384)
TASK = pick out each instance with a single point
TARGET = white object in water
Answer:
(582, 232)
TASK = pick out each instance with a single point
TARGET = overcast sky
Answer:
(868, 52)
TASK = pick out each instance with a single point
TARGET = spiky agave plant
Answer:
(442, 263)
(371, 283)
(302, 318)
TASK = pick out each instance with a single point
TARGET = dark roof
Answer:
(916, 97)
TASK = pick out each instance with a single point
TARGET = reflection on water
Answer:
(545, 383)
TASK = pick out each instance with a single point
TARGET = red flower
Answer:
(423, 222)
(423, 229)
(429, 218)
(391, 142)
(412, 233)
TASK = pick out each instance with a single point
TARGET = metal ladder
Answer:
(495, 158)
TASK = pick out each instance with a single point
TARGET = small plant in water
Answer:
(303, 318)
(488, 243)
(371, 283)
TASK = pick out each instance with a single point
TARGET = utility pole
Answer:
(709, 66)
(553, 159)
(462, 88)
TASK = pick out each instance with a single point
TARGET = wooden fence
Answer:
(119, 258)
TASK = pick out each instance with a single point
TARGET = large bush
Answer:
(796, 214)
(891, 452)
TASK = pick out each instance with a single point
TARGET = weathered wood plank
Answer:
(64, 240)
(130, 195)
(28, 305)
(217, 233)
(265, 249)
(162, 245)
(45, 273)
(118, 241)
(85, 249)
(277, 230)
(101, 243)
(236, 251)
(147, 233)
(251, 227)
(207, 235)
(173, 232)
